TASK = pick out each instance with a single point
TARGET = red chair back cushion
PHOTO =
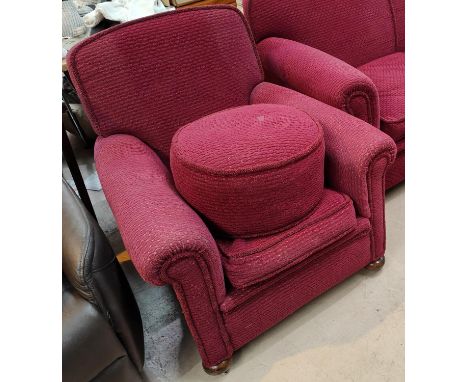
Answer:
(151, 76)
(353, 31)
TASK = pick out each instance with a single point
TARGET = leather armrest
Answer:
(321, 76)
(89, 344)
(92, 269)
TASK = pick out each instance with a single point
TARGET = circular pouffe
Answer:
(252, 170)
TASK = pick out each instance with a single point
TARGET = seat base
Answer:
(376, 265)
(248, 262)
(220, 368)
(248, 312)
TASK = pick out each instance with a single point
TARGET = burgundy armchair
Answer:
(348, 54)
(248, 198)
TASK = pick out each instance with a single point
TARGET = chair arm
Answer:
(356, 154)
(166, 240)
(321, 76)
(157, 226)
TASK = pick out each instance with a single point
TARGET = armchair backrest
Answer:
(354, 31)
(151, 76)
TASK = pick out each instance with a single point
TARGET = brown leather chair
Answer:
(102, 335)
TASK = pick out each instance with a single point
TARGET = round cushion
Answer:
(251, 170)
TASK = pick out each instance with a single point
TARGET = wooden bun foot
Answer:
(220, 368)
(376, 265)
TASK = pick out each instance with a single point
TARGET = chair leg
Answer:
(220, 368)
(376, 265)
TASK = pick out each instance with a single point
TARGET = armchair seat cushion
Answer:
(388, 74)
(252, 170)
(250, 261)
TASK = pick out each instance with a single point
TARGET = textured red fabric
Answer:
(398, 13)
(354, 31)
(388, 74)
(161, 225)
(251, 170)
(200, 310)
(249, 261)
(149, 77)
(396, 172)
(376, 187)
(352, 148)
(321, 76)
(249, 312)
(166, 240)
(365, 34)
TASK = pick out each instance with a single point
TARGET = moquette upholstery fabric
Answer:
(252, 170)
(150, 90)
(249, 312)
(249, 261)
(347, 54)
(388, 74)
(351, 166)
(320, 76)
(231, 288)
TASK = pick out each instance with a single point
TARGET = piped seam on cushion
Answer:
(353, 94)
(395, 34)
(255, 251)
(258, 170)
(242, 260)
(388, 120)
(282, 229)
(289, 264)
(344, 241)
(214, 304)
(388, 158)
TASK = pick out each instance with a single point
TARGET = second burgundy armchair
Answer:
(248, 198)
(347, 54)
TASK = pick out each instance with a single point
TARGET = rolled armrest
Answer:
(321, 76)
(167, 241)
(356, 154)
(158, 228)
